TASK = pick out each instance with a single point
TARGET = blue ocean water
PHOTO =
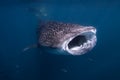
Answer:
(19, 20)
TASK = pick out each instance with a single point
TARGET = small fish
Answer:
(71, 38)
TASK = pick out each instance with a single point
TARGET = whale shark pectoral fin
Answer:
(30, 47)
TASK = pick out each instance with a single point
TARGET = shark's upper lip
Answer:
(89, 29)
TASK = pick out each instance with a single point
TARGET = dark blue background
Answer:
(19, 20)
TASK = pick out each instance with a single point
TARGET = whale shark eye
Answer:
(77, 41)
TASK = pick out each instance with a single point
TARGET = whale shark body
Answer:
(74, 39)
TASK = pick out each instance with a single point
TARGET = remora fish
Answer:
(71, 38)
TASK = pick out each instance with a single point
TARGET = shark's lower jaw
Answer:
(81, 43)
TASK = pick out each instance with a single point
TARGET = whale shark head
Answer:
(71, 38)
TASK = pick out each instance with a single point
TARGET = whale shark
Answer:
(74, 39)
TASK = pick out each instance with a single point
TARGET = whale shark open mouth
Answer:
(81, 43)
